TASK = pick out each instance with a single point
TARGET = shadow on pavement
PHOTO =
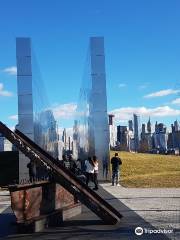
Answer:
(89, 226)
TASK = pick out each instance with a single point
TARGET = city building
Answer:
(136, 132)
(130, 139)
(143, 131)
(160, 141)
(160, 137)
(112, 131)
(174, 137)
(122, 137)
(130, 125)
(176, 126)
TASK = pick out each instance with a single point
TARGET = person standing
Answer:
(115, 162)
(72, 165)
(65, 161)
(89, 170)
(79, 166)
(32, 170)
(95, 162)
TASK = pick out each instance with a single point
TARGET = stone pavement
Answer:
(158, 206)
(151, 209)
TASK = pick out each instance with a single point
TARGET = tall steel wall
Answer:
(35, 120)
(92, 115)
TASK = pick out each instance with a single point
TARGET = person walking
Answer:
(32, 170)
(89, 170)
(95, 178)
(115, 162)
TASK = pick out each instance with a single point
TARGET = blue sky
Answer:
(142, 46)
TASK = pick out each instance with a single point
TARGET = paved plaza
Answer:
(160, 207)
(151, 209)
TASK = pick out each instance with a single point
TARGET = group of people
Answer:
(87, 170)
(37, 171)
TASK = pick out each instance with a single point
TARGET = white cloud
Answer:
(13, 117)
(176, 101)
(65, 111)
(162, 93)
(121, 85)
(124, 114)
(10, 70)
(3, 92)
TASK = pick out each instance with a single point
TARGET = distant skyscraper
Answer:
(176, 126)
(143, 131)
(64, 138)
(122, 137)
(156, 126)
(160, 128)
(172, 128)
(136, 132)
(130, 125)
(160, 136)
(75, 139)
(112, 131)
(174, 136)
(75, 130)
(149, 126)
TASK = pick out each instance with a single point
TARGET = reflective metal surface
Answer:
(93, 130)
(35, 120)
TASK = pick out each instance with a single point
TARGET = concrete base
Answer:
(54, 219)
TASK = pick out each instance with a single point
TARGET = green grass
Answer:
(149, 170)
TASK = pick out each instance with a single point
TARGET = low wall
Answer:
(41, 204)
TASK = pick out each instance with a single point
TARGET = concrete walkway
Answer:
(150, 209)
(159, 207)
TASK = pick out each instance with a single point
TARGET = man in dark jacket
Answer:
(116, 162)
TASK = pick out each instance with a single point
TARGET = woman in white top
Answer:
(89, 170)
(95, 162)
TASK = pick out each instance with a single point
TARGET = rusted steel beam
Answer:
(63, 176)
(18, 187)
(82, 186)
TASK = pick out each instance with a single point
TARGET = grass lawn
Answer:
(149, 170)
